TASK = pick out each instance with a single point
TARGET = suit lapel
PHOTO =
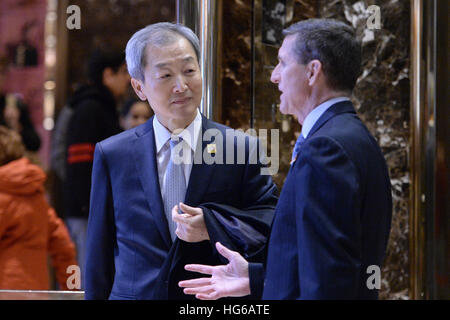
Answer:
(201, 172)
(145, 160)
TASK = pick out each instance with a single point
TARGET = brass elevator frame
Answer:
(429, 247)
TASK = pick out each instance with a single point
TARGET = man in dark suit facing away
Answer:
(160, 198)
(332, 221)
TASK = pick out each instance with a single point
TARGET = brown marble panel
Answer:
(236, 63)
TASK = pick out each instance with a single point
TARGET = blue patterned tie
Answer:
(174, 188)
(297, 146)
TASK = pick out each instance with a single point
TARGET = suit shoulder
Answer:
(344, 136)
(321, 144)
(118, 141)
(348, 130)
(215, 125)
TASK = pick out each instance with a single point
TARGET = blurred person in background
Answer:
(134, 113)
(94, 118)
(29, 228)
(14, 113)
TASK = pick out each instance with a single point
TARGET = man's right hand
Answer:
(231, 280)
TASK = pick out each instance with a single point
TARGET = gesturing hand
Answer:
(190, 224)
(229, 280)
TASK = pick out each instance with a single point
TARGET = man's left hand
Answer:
(190, 224)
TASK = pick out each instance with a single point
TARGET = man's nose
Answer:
(180, 85)
(275, 77)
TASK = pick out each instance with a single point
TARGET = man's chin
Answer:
(185, 111)
(184, 114)
(283, 109)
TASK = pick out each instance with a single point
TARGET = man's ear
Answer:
(138, 86)
(106, 76)
(314, 69)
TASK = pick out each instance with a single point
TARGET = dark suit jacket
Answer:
(333, 217)
(130, 254)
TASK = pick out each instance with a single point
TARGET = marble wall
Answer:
(236, 63)
(237, 69)
(381, 98)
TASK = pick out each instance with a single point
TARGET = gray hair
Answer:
(160, 34)
(334, 44)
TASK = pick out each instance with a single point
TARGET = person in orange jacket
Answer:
(29, 228)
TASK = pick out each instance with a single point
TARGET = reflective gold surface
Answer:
(40, 295)
(416, 220)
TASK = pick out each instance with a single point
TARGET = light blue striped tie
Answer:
(174, 187)
(298, 143)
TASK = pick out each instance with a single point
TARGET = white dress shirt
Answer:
(189, 137)
(317, 112)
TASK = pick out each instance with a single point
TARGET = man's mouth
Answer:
(181, 100)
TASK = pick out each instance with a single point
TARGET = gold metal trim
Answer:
(417, 195)
(210, 35)
(204, 17)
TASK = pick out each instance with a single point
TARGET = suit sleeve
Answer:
(256, 279)
(99, 270)
(245, 229)
(327, 221)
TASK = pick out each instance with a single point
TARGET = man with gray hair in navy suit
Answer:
(150, 213)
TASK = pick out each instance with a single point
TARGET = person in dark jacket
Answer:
(94, 118)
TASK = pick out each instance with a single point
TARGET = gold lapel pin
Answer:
(211, 148)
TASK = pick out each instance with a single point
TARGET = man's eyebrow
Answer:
(166, 64)
(188, 59)
(162, 65)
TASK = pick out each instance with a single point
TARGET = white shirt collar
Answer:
(317, 112)
(190, 134)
